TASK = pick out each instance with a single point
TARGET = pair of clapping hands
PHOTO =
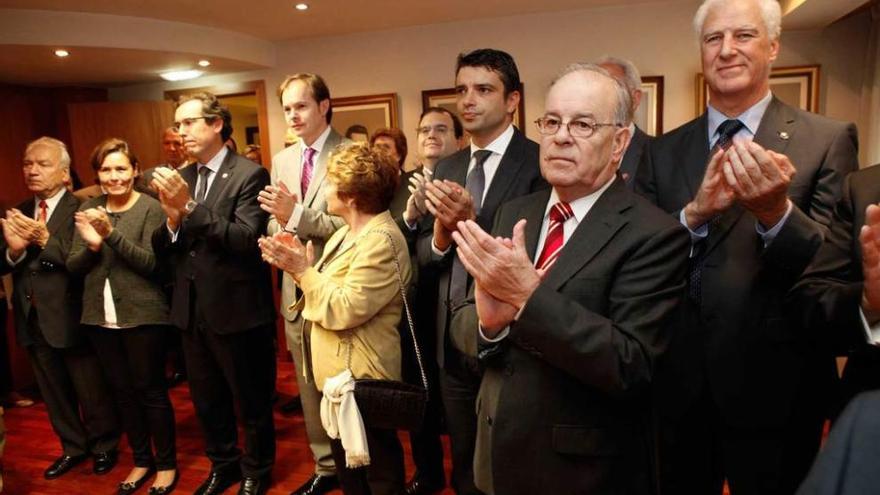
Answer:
(93, 226)
(21, 231)
(286, 252)
(446, 200)
(747, 173)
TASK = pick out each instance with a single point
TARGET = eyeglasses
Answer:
(549, 126)
(186, 123)
(439, 129)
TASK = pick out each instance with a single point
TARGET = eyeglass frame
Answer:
(594, 126)
(434, 128)
(190, 121)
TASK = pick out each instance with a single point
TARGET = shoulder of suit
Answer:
(461, 156)
(679, 133)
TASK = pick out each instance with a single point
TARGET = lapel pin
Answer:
(227, 175)
(783, 135)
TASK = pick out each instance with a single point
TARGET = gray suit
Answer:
(315, 225)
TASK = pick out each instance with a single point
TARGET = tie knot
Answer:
(481, 156)
(204, 170)
(43, 204)
(729, 128)
(309, 154)
(560, 212)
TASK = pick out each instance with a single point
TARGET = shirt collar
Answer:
(751, 118)
(318, 145)
(217, 160)
(581, 206)
(499, 145)
(52, 202)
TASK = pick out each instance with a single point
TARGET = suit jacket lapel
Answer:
(604, 219)
(697, 156)
(777, 127)
(319, 172)
(507, 173)
(227, 168)
(534, 215)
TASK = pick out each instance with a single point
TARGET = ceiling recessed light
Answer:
(302, 6)
(204, 63)
(61, 53)
(180, 75)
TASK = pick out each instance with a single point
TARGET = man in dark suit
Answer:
(499, 165)
(222, 294)
(300, 171)
(47, 300)
(838, 296)
(627, 74)
(743, 392)
(848, 462)
(570, 308)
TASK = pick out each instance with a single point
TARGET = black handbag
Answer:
(392, 404)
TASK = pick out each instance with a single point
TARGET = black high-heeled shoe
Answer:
(165, 490)
(129, 487)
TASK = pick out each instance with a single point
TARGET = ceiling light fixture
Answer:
(61, 53)
(204, 63)
(302, 6)
(180, 75)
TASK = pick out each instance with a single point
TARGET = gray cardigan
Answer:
(127, 259)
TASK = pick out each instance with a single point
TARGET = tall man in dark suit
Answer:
(499, 165)
(838, 296)
(299, 171)
(743, 392)
(570, 308)
(47, 300)
(627, 74)
(222, 294)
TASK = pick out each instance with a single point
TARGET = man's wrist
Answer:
(693, 216)
(771, 217)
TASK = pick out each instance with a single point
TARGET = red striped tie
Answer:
(559, 213)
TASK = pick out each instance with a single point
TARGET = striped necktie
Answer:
(559, 213)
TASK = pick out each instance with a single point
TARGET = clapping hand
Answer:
(450, 204)
(415, 205)
(278, 201)
(87, 230)
(760, 179)
(285, 251)
(869, 238)
(173, 194)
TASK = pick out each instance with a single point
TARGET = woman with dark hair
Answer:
(125, 312)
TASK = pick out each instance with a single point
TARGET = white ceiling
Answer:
(120, 42)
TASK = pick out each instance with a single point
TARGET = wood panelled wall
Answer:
(25, 114)
(140, 123)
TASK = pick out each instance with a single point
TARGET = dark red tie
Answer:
(44, 211)
(308, 166)
(559, 213)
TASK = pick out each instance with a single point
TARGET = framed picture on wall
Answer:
(445, 98)
(649, 115)
(796, 86)
(357, 117)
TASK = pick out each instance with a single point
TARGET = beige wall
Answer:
(657, 37)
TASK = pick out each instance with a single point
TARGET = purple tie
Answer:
(308, 165)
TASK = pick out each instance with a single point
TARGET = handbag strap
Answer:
(409, 318)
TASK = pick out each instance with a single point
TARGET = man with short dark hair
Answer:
(295, 200)
(499, 165)
(743, 391)
(573, 290)
(222, 297)
(627, 74)
(47, 301)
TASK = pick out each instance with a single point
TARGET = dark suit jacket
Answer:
(216, 256)
(518, 174)
(739, 342)
(826, 300)
(41, 281)
(848, 462)
(563, 405)
(633, 156)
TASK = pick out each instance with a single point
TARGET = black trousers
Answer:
(699, 451)
(133, 361)
(459, 387)
(427, 449)
(79, 403)
(384, 475)
(232, 370)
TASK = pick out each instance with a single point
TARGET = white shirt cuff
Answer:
(295, 216)
(498, 338)
(872, 333)
(16, 261)
(696, 235)
(769, 234)
(437, 250)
